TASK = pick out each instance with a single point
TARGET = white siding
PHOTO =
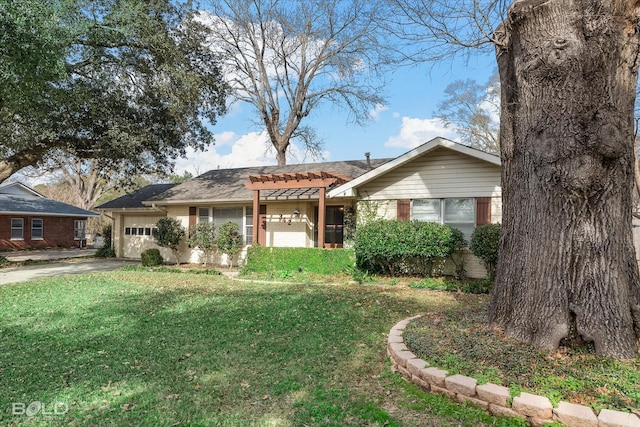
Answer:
(443, 173)
(286, 230)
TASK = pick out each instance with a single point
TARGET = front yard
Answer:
(164, 349)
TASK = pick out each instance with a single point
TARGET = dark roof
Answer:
(36, 205)
(228, 184)
(135, 199)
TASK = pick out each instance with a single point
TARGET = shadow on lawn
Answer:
(130, 353)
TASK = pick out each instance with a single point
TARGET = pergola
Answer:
(297, 185)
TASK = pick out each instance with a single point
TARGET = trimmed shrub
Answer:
(485, 242)
(203, 235)
(395, 247)
(105, 252)
(3, 261)
(229, 240)
(262, 259)
(151, 258)
(168, 235)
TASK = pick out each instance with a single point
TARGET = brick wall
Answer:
(57, 231)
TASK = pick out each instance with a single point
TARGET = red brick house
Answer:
(30, 220)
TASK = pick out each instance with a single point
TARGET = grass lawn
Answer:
(169, 349)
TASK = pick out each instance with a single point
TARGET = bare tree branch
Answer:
(286, 58)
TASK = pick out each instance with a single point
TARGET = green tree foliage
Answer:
(127, 82)
(34, 40)
(404, 247)
(168, 234)
(485, 242)
(203, 236)
(229, 240)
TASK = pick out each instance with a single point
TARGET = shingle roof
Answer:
(35, 205)
(135, 199)
(228, 184)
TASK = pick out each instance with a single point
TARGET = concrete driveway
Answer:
(63, 262)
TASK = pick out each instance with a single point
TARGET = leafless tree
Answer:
(568, 74)
(473, 110)
(285, 58)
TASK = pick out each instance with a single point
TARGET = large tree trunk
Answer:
(567, 264)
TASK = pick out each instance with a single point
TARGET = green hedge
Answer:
(485, 243)
(404, 247)
(262, 259)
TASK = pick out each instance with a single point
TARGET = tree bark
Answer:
(567, 267)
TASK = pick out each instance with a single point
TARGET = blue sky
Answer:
(405, 122)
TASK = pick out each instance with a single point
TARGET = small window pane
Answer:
(36, 228)
(134, 231)
(459, 210)
(203, 214)
(127, 231)
(248, 229)
(140, 231)
(147, 231)
(426, 210)
(17, 228)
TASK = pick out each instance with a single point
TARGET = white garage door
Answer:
(138, 235)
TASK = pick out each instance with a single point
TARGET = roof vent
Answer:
(367, 155)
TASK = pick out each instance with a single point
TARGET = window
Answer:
(17, 228)
(127, 231)
(230, 214)
(458, 213)
(79, 229)
(147, 231)
(248, 228)
(37, 228)
(203, 215)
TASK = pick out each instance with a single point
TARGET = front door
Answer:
(334, 225)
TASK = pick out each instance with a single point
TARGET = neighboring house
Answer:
(30, 220)
(311, 205)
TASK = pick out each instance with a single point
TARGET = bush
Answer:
(106, 251)
(151, 258)
(202, 236)
(485, 242)
(404, 247)
(229, 240)
(168, 235)
(262, 259)
(3, 261)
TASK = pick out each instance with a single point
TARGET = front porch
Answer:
(303, 218)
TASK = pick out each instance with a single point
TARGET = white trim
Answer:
(349, 189)
(22, 186)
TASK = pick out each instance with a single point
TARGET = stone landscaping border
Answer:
(493, 398)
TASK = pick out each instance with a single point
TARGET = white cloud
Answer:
(247, 150)
(414, 132)
(375, 113)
